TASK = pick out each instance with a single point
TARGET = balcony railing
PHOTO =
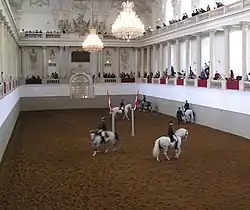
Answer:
(225, 10)
(7, 87)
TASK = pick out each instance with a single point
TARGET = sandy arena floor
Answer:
(48, 165)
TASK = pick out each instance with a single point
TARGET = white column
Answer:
(67, 56)
(164, 57)
(142, 62)
(177, 54)
(160, 63)
(198, 54)
(45, 62)
(212, 52)
(24, 63)
(148, 60)
(118, 61)
(153, 64)
(227, 50)
(169, 57)
(6, 40)
(136, 62)
(2, 46)
(102, 63)
(19, 64)
(61, 60)
(244, 28)
(187, 43)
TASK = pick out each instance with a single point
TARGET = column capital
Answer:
(212, 32)
(227, 28)
(44, 47)
(135, 49)
(187, 38)
(244, 25)
(199, 34)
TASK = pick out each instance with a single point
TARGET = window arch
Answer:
(81, 86)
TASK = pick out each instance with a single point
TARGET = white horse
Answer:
(188, 115)
(117, 110)
(97, 140)
(165, 143)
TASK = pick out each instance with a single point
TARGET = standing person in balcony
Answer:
(231, 75)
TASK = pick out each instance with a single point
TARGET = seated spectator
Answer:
(217, 76)
(248, 77)
(157, 75)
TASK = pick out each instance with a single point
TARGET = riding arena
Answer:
(48, 164)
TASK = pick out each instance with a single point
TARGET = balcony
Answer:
(7, 87)
(226, 15)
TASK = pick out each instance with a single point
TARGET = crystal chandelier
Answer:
(127, 25)
(92, 43)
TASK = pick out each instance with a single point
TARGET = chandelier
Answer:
(92, 43)
(127, 25)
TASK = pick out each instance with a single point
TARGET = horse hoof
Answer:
(106, 151)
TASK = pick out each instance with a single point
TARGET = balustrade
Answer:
(156, 81)
(190, 82)
(7, 87)
(143, 80)
(246, 86)
(171, 81)
(225, 10)
(53, 81)
(1, 90)
(218, 84)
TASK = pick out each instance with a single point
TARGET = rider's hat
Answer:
(179, 107)
(103, 118)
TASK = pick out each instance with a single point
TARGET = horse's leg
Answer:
(107, 147)
(177, 153)
(126, 114)
(166, 153)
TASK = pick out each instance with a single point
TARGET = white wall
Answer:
(183, 56)
(236, 52)
(219, 47)
(218, 113)
(205, 51)
(193, 47)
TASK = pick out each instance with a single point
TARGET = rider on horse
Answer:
(179, 115)
(122, 106)
(186, 106)
(102, 127)
(171, 133)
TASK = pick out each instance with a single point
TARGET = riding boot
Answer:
(176, 145)
(103, 139)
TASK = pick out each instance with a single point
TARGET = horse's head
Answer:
(92, 135)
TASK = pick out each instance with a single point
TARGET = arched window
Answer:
(186, 7)
(169, 12)
(81, 86)
(211, 3)
(205, 51)
(235, 49)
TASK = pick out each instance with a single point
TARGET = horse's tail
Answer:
(116, 136)
(156, 149)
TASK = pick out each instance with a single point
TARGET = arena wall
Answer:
(9, 112)
(221, 109)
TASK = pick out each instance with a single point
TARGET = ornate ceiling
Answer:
(140, 5)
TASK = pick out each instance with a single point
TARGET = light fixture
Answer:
(92, 43)
(127, 25)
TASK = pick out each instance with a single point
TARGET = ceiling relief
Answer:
(39, 3)
(73, 16)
